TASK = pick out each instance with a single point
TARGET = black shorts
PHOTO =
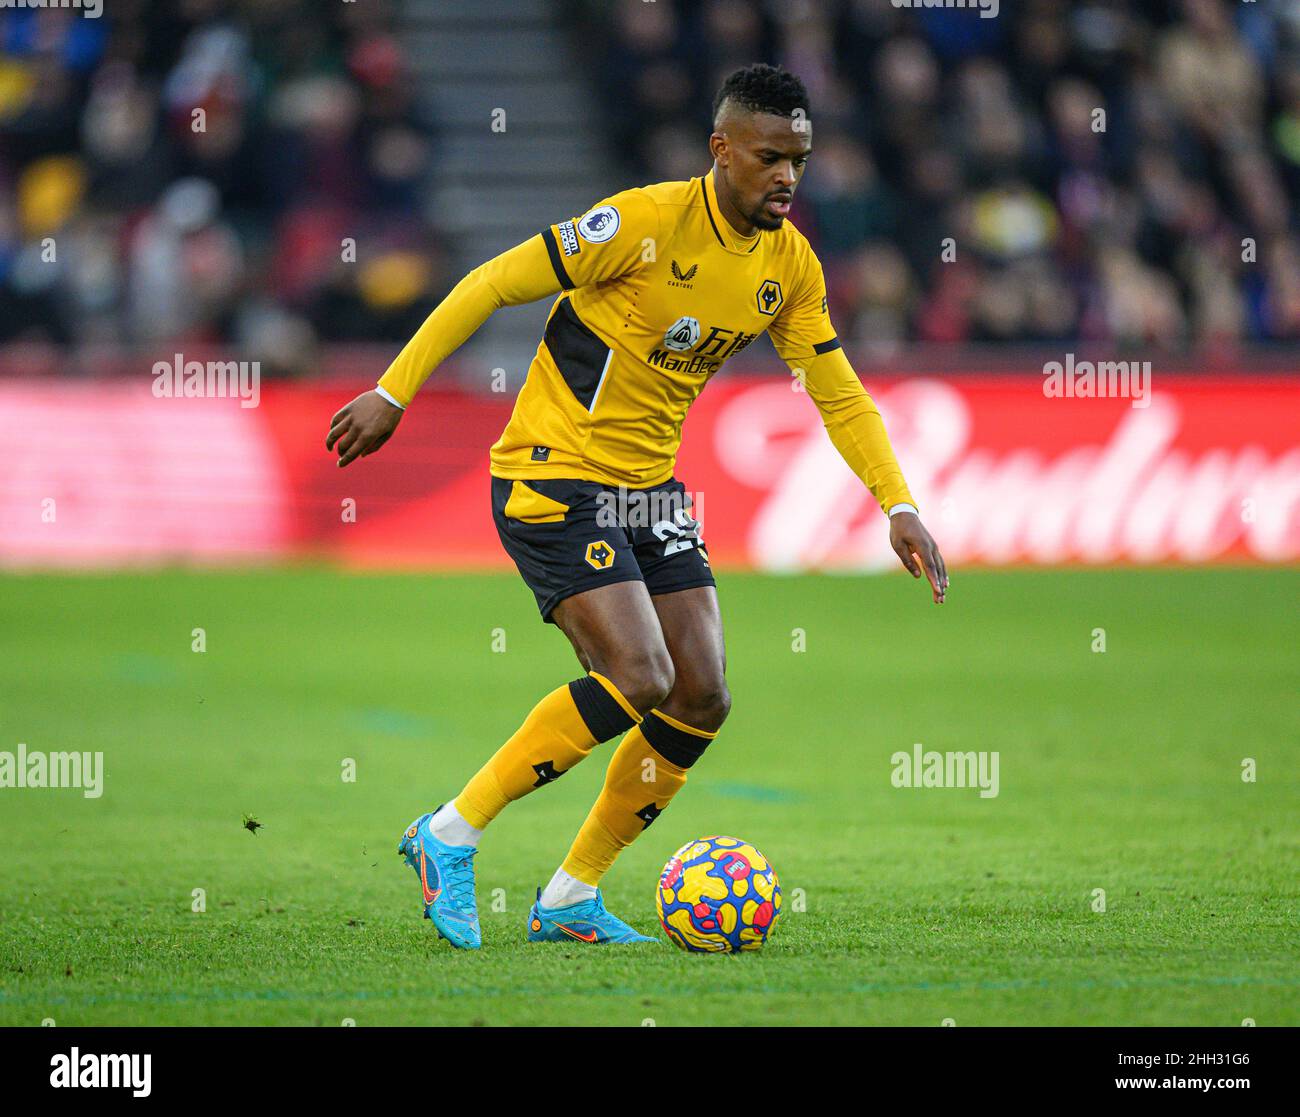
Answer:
(570, 536)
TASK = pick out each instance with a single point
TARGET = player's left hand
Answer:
(911, 542)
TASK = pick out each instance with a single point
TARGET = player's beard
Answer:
(763, 220)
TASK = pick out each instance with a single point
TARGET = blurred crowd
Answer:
(256, 173)
(1118, 172)
(203, 171)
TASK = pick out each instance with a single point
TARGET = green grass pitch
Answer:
(1119, 771)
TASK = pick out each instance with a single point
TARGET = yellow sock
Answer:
(647, 769)
(559, 732)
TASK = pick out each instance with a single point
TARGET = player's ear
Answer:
(718, 147)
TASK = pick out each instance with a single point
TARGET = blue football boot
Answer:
(447, 879)
(585, 921)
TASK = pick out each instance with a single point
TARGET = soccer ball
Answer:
(717, 895)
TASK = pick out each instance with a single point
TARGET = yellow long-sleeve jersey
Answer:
(656, 291)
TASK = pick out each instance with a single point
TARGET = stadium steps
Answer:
(493, 189)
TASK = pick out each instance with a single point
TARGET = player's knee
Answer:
(644, 679)
(719, 705)
(704, 705)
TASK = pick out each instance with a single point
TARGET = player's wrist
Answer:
(384, 394)
(902, 507)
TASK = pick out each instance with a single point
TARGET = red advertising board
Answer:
(107, 474)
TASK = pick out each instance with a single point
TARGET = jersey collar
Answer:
(731, 240)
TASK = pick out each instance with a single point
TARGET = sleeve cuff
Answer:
(389, 397)
(903, 508)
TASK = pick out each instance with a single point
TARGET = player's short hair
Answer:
(763, 88)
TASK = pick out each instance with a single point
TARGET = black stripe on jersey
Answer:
(708, 209)
(826, 346)
(557, 261)
(578, 353)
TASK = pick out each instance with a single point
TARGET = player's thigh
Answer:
(615, 631)
(675, 564)
(691, 621)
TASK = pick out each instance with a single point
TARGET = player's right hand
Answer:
(362, 427)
